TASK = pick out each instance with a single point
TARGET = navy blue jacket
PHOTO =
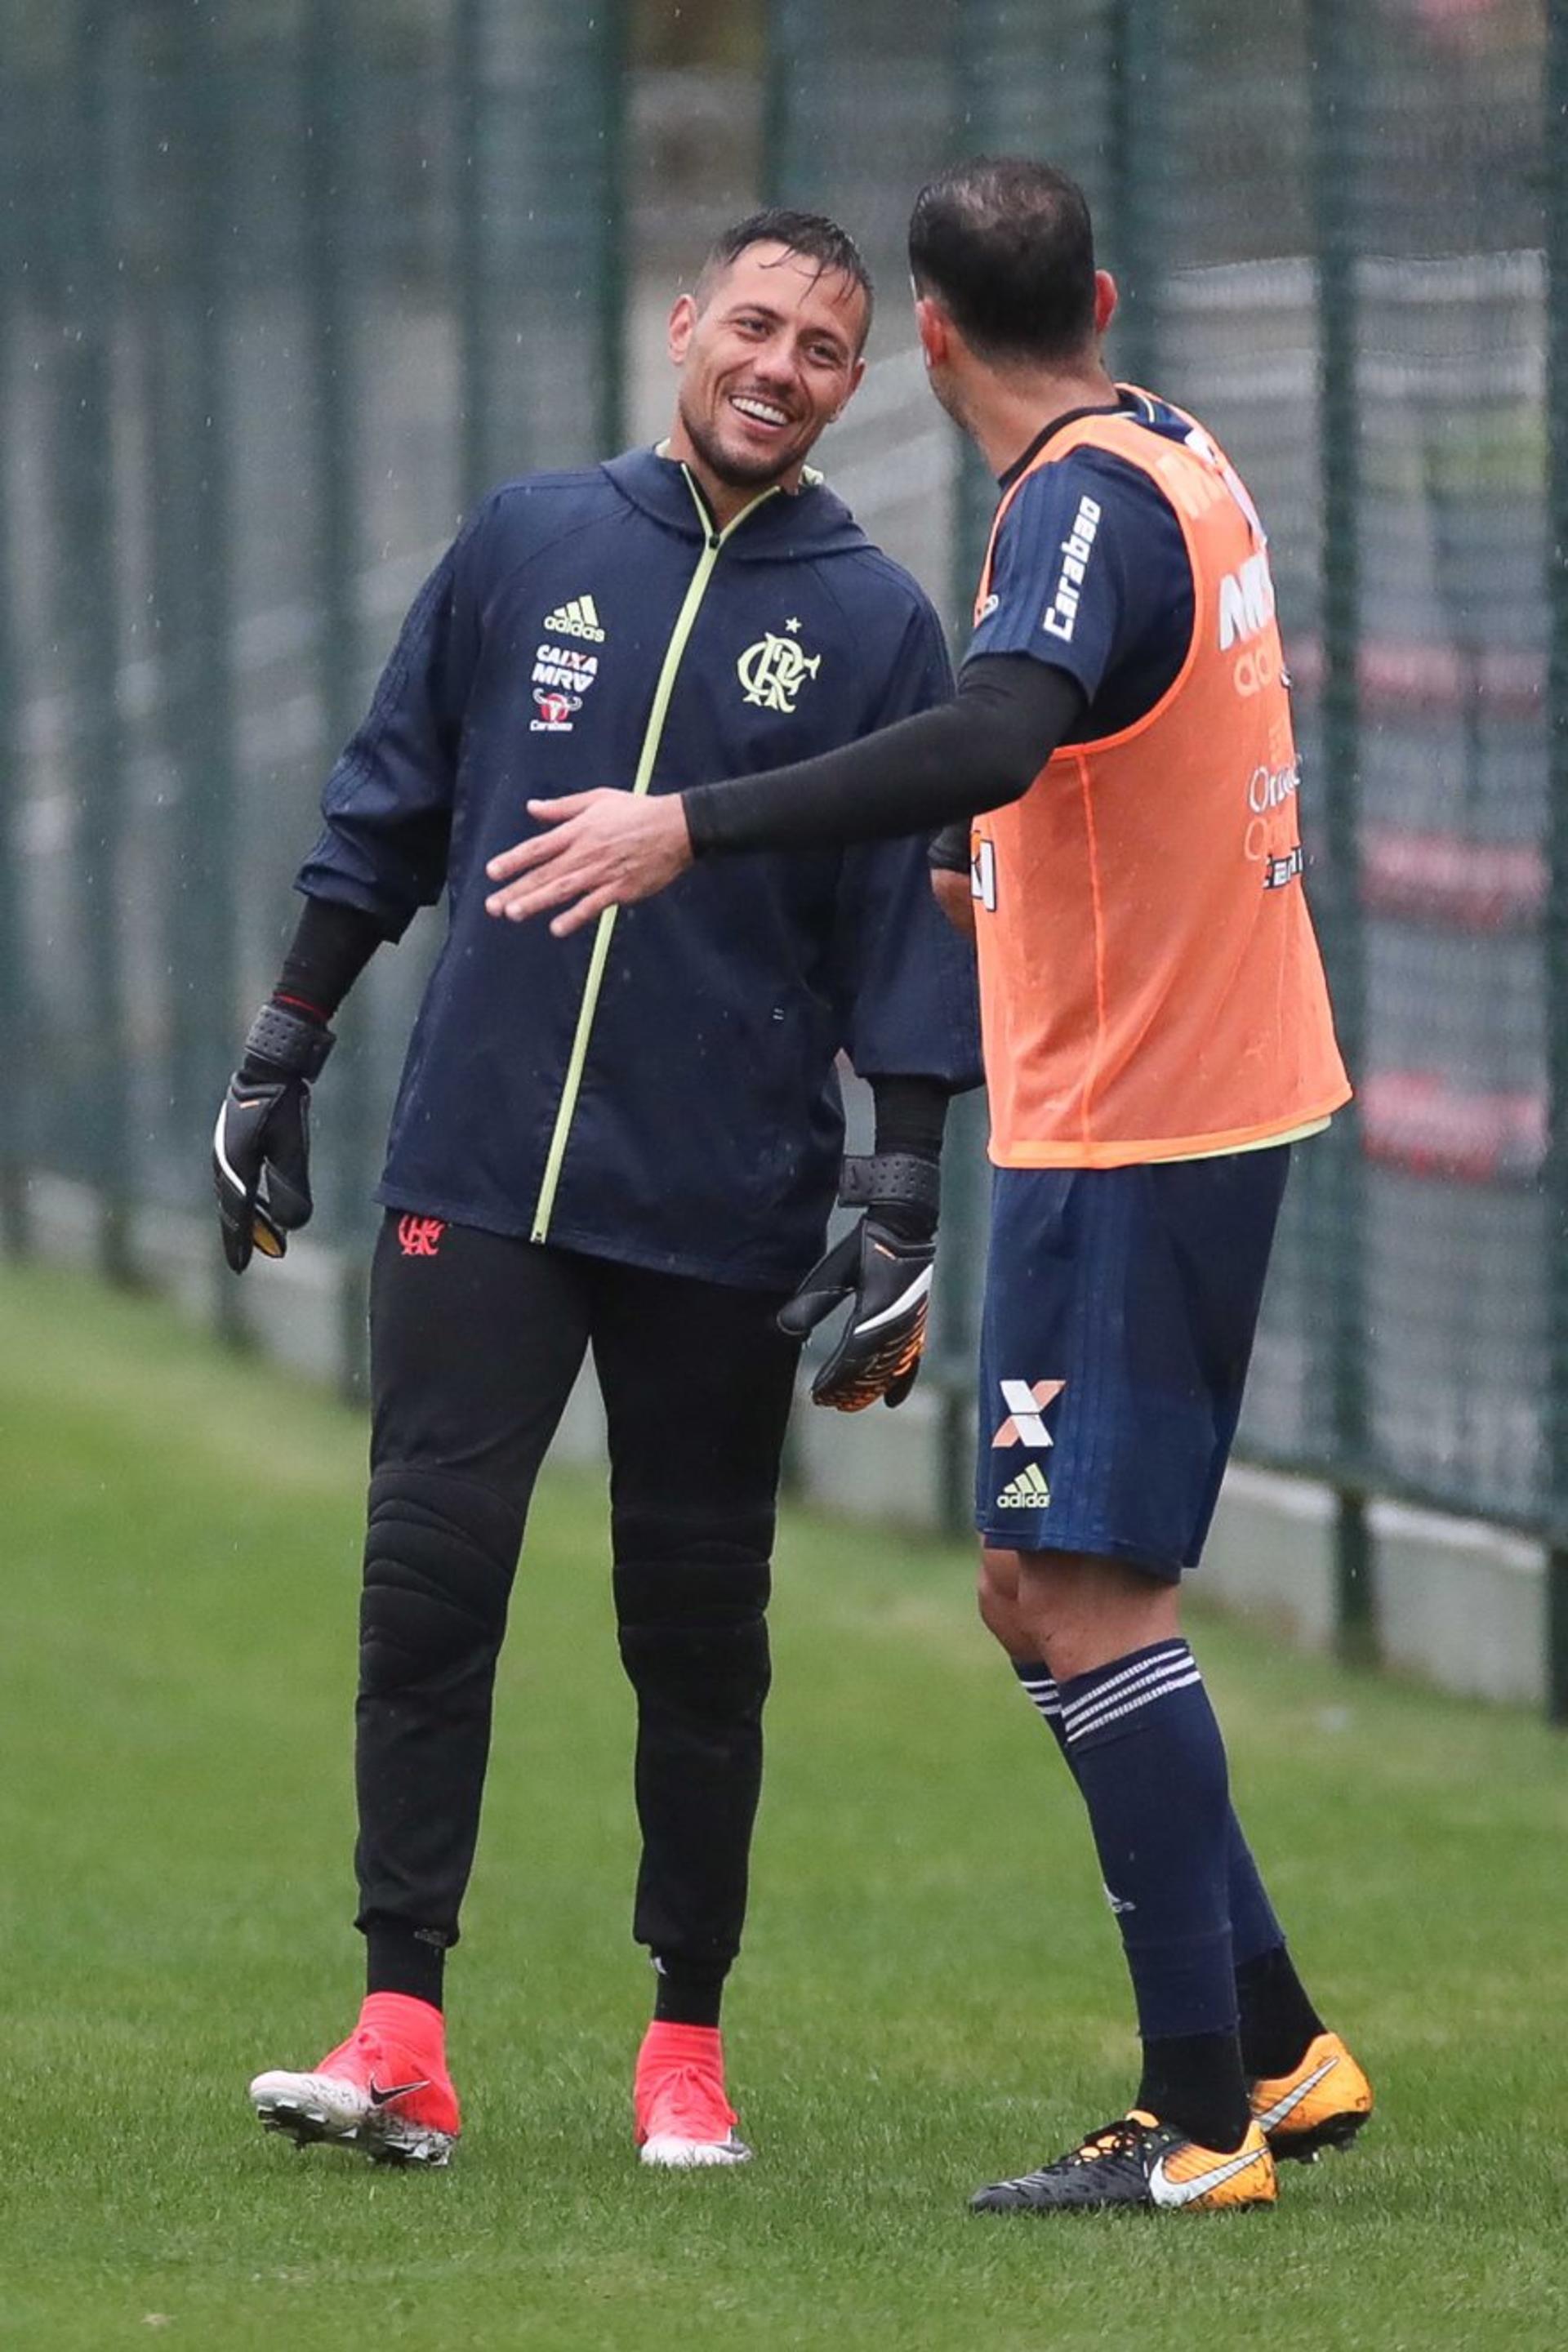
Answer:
(659, 1087)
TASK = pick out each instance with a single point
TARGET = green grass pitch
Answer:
(931, 1992)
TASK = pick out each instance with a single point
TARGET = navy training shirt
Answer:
(1118, 618)
(659, 1089)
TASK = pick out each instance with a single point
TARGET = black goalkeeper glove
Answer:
(261, 1146)
(884, 1272)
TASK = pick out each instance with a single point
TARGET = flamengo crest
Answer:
(773, 670)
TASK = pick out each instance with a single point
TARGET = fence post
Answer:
(471, 249)
(614, 73)
(189, 282)
(16, 1134)
(783, 182)
(1336, 132)
(1138, 183)
(1556, 928)
(974, 484)
(87, 620)
(211, 777)
(329, 175)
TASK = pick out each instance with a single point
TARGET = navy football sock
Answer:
(1257, 1936)
(1254, 1929)
(1039, 1688)
(1278, 2019)
(1147, 1753)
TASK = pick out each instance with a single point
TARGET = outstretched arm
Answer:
(606, 848)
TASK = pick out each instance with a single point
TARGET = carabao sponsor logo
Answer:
(1060, 617)
(555, 711)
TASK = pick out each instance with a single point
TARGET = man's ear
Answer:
(1105, 300)
(682, 319)
(934, 328)
(857, 378)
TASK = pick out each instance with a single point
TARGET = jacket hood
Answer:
(811, 521)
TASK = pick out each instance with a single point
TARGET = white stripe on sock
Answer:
(1162, 1657)
(1129, 1683)
(1132, 1705)
(1132, 1677)
(1083, 1711)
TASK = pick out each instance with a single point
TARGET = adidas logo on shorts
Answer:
(576, 618)
(1028, 1492)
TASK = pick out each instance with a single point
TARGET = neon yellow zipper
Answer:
(653, 735)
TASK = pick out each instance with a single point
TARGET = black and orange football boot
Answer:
(1322, 2103)
(1140, 2161)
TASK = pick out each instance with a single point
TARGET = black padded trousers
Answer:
(475, 1342)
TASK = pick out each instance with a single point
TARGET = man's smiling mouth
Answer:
(759, 411)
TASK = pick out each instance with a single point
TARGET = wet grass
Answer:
(930, 1994)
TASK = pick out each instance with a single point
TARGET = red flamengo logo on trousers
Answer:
(420, 1236)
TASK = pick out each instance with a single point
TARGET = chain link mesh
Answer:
(280, 290)
(1328, 220)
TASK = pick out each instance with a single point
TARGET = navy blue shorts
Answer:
(1120, 1305)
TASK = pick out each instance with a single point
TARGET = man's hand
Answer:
(261, 1145)
(948, 857)
(886, 1275)
(601, 849)
(956, 899)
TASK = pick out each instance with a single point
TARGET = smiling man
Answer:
(770, 347)
(627, 1144)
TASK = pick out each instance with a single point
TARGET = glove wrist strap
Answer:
(879, 1180)
(288, 1042)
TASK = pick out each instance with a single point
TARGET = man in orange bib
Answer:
(1158, 1037)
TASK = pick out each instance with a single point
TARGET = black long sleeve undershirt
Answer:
(979, 751)
(329, 949)
(912, 1113)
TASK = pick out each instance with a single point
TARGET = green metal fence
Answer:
(279, 288)
(1332, 219)
(282, 288)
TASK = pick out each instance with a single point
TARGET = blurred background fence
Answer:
(283, 286)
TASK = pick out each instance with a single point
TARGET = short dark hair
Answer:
(811, 235)
(1006, 245)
